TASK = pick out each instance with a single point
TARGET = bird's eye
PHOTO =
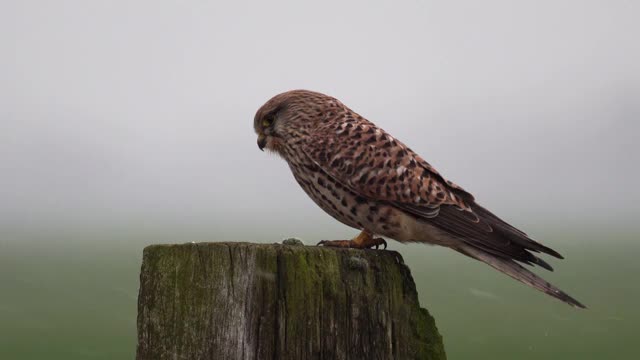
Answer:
(267, 122)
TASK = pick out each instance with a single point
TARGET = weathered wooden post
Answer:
(258, 301)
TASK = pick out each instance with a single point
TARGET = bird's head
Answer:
(289, 116)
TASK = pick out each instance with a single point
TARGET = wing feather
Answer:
(374, 165)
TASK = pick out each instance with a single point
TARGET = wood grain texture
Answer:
(259, 301)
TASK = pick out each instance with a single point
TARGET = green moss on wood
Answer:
(253, 301)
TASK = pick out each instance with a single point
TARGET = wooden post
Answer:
(259, 301)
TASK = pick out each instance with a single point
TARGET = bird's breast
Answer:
(342, 203)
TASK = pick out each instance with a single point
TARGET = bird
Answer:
(368, 180)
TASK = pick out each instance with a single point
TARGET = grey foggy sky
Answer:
(125, 110)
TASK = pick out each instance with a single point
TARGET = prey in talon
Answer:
(369, 180)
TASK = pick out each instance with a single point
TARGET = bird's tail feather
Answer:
(521, 274)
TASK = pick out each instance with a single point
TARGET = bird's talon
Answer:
(365, 241)
(378, 242)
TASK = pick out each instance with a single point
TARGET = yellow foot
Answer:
(363, 241)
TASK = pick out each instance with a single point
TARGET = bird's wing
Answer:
(372, 164)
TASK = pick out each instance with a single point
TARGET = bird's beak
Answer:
(262, 141)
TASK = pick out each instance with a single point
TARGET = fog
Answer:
(142, 111)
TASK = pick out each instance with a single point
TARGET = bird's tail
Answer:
(521, 274)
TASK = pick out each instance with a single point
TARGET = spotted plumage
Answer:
(368, 180)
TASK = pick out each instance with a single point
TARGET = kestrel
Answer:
(369, 180)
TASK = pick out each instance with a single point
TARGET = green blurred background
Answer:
(67, 297)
